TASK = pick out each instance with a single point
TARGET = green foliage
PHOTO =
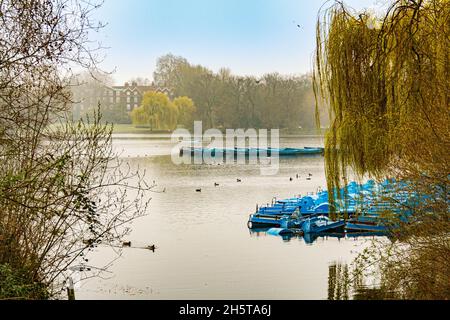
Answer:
(14, 284)
(186, 110)
(116, 114)
(156, 111)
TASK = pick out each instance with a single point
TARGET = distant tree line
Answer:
(224, 100)
(221, 99)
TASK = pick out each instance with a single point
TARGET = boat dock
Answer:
(359, 210)
(252, 152)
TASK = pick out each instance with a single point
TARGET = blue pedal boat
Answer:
(280, 232)
(364, 227)
(265, 221)
(322, 224)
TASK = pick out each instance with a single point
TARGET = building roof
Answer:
(139, 88)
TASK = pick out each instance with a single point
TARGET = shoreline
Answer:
(130, 129)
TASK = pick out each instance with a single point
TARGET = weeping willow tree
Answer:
(386, 81)
(156, 111)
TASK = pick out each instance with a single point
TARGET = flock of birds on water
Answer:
(128, 244)
(308, 178)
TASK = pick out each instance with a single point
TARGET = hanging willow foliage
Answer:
(386, 82)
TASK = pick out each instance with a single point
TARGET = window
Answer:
(128, 93)
(135, 105)
(111, 99)
(128, 107)
(128, 99)
(136, 99)
(135, 93)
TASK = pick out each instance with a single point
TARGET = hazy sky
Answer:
(248, 36)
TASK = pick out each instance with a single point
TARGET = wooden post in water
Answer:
(71, 290)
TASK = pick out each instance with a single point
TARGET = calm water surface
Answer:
(204, 248)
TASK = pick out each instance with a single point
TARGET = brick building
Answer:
(129, 96)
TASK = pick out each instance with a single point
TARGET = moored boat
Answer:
(259, 152)
(322, 224)
(364, 227)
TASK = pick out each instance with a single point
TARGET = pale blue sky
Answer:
(248, 36)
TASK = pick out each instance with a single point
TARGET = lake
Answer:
(204, 248)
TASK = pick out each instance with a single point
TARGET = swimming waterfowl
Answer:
(126, 244)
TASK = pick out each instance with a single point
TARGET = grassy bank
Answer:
(129, 128)
(132, 129)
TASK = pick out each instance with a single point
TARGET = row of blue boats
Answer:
(370, 208)
(249, 152)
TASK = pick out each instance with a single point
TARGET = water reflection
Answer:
(343, 284)
(310, 238)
